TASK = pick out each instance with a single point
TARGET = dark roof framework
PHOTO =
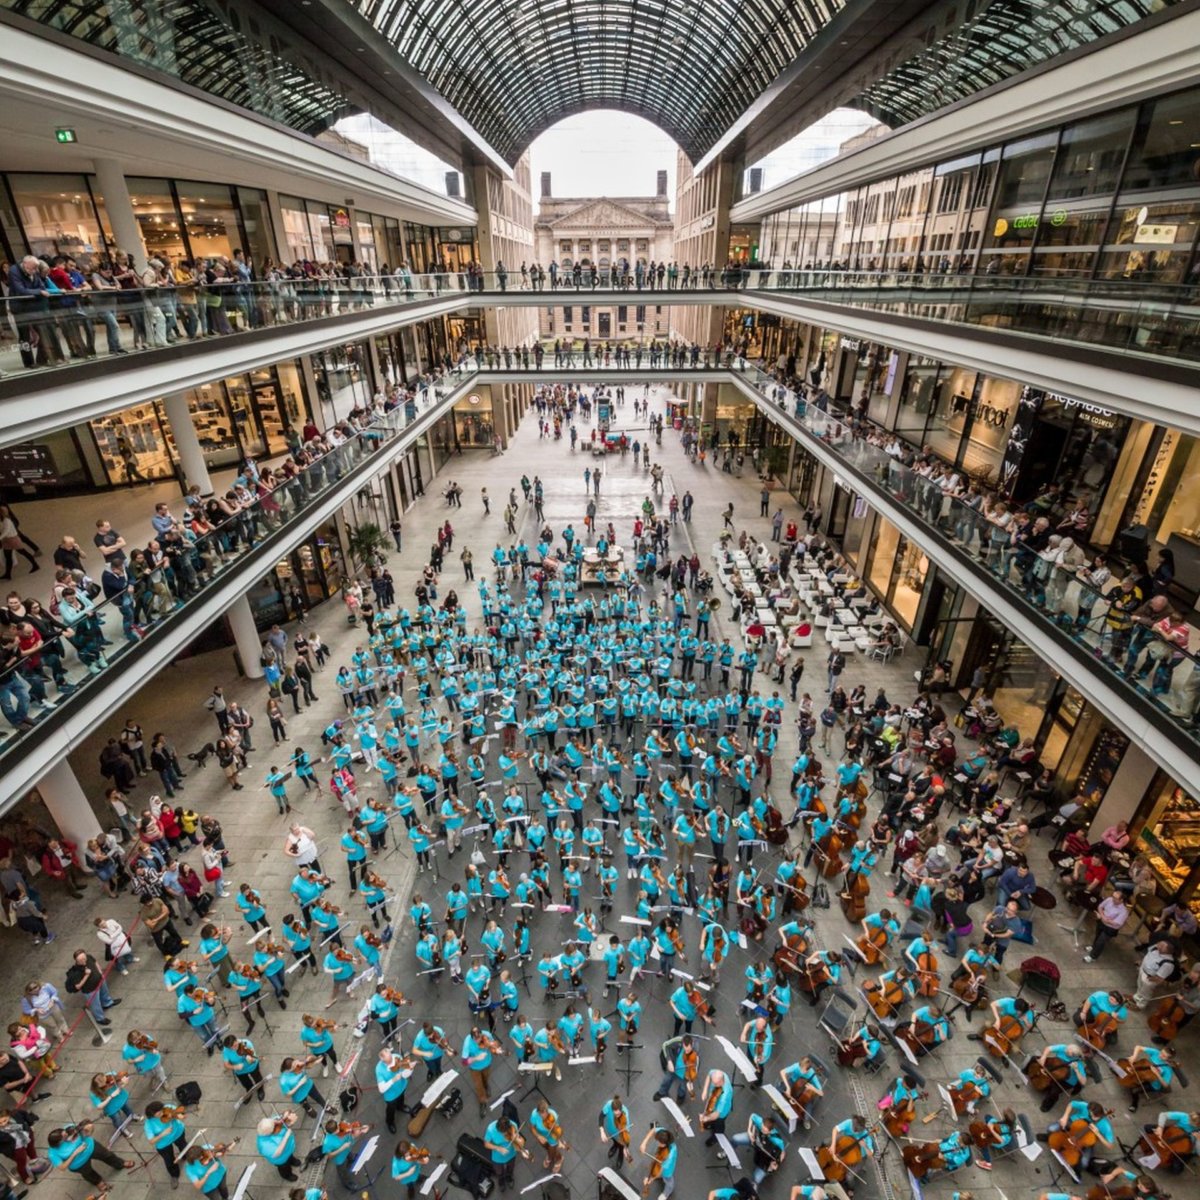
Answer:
(1002, 40)
(513, 68)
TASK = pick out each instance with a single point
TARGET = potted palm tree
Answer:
(367, 543)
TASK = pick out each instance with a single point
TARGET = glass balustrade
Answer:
(1144, 653)
(97, 632)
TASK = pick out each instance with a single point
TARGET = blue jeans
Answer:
(98, 1001)
(664, 1088)
(14, 698)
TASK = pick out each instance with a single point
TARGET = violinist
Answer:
(297, 1087)
(339, 965)
(664, 1158)
(758, 980)
(687, 1003)
(430, 1046)
(995, 1132)
(1082, 1126)
(478, 1052)
(716, 1103)
(144, 1055)
(889, 993)
(110, 1095)
(1149, 1070)
(1012, 1018)
(238, 1057)
(276, 1143)
(392, 1073)
(681, 1058)
(206, 1171)
(166, 1132)
(407, 1161)
(759, 1039)
(714, 948)
(779, 999)
(669, 941)
(544, 1123)
(316, 1036)
(768, 1143)
(504, 1142)
(614, 1129)
(384, 1005)
(337, 1144)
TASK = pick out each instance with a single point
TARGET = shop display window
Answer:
(57, 214)
(1170, 835)
(211, 219)
(133, 443)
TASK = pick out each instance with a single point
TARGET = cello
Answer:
(854, 896)
(919, 1035)
(813, 976)
(873, 943)
(1070, 1143)
(1099, 1030)
(928, 979)
(1168, 1145)
(1003, 1036)
(847, 1153)
(1043, 1076)
(830, 849)
(970, 987)
(1166, 1018)
(922, 1157)
(776, 831)
(885, 996)
(788, 957)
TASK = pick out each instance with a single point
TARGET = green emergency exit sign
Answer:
(64, 135)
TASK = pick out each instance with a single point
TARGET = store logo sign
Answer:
(985, 414)
(341, 218)
(473, 398)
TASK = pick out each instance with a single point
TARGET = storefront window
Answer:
(211, 219)
(214, 427)
(908, 581)
(57, 215)
(473, 420)
(1151, 241)
(970, 426)
(297, 233)
(918, 398)
(367, 254)
(1163, 152)
(1020, 187)
(1170, 835)
(133, 445)
(342, 378)
(154, 208)
(883, 556)
(256, 221)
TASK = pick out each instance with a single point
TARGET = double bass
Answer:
(922, 1157)
(854, 896)
(776, 831)
(830, 848)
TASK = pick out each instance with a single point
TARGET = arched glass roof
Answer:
(1002, 40)
(513, 68)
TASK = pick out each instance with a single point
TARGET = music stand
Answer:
(536, 1070)
(241, 1192)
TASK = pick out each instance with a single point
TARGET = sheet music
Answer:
(680, 1116)
(731, 1154)
(244, 1182)
(364, 1155)
(810, 1161)
(437, 1173)
(623, 1188)
(785, 1109)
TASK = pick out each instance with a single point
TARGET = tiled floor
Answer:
(173, 702)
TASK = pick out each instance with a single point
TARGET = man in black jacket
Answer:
(86, 979)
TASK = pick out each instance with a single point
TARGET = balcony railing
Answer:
(58, 329)
(96, 633)
(1135, 653)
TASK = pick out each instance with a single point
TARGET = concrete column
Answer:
(500, 413)
(111, 181)
(245, 637)
(1125, 793)
(308, 373)
(67, 804)
(187, 444)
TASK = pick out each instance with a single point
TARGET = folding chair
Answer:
(838, 1016)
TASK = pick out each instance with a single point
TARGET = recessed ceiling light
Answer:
(1179, 122)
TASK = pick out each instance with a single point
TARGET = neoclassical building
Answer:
(605, 231)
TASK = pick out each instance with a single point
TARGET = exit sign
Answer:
(64, 135)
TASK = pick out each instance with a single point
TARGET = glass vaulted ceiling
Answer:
(1001, 40)
(515, 67)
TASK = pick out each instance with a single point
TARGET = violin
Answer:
(172, 1112)
(1001, 1037)
(922, 1157)
(321, 1024)
(1070, 1143)
(873, 945)
(208, 1153)
(342, 954)
(1168, 1144)
(142, 1041)
(854, 896)
(1166, 1018)
(677, 941)
(928, 979)
(1099, 1030)
(837, 1163)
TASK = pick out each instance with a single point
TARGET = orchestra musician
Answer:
(803, 1088)
(766, 1140)
(205, 1168)
(392, 1073)
(614, 1128)
(407, 1161)
(682, 1061)
(971, 1086)
(166, 1132)
(716, 1102)
(759, 1039)
(1012, 1018)
(1170, 1143)
(338, 1144)
(504, 1142)
(664, 1158)
(1060, 1070)
(924, 1031)
(1089, 1124)
(1149, 1070)
(544, 1123)
(995, 1132)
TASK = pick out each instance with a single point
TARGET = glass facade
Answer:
(1113, 196)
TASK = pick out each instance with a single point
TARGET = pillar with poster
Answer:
(603, 415)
